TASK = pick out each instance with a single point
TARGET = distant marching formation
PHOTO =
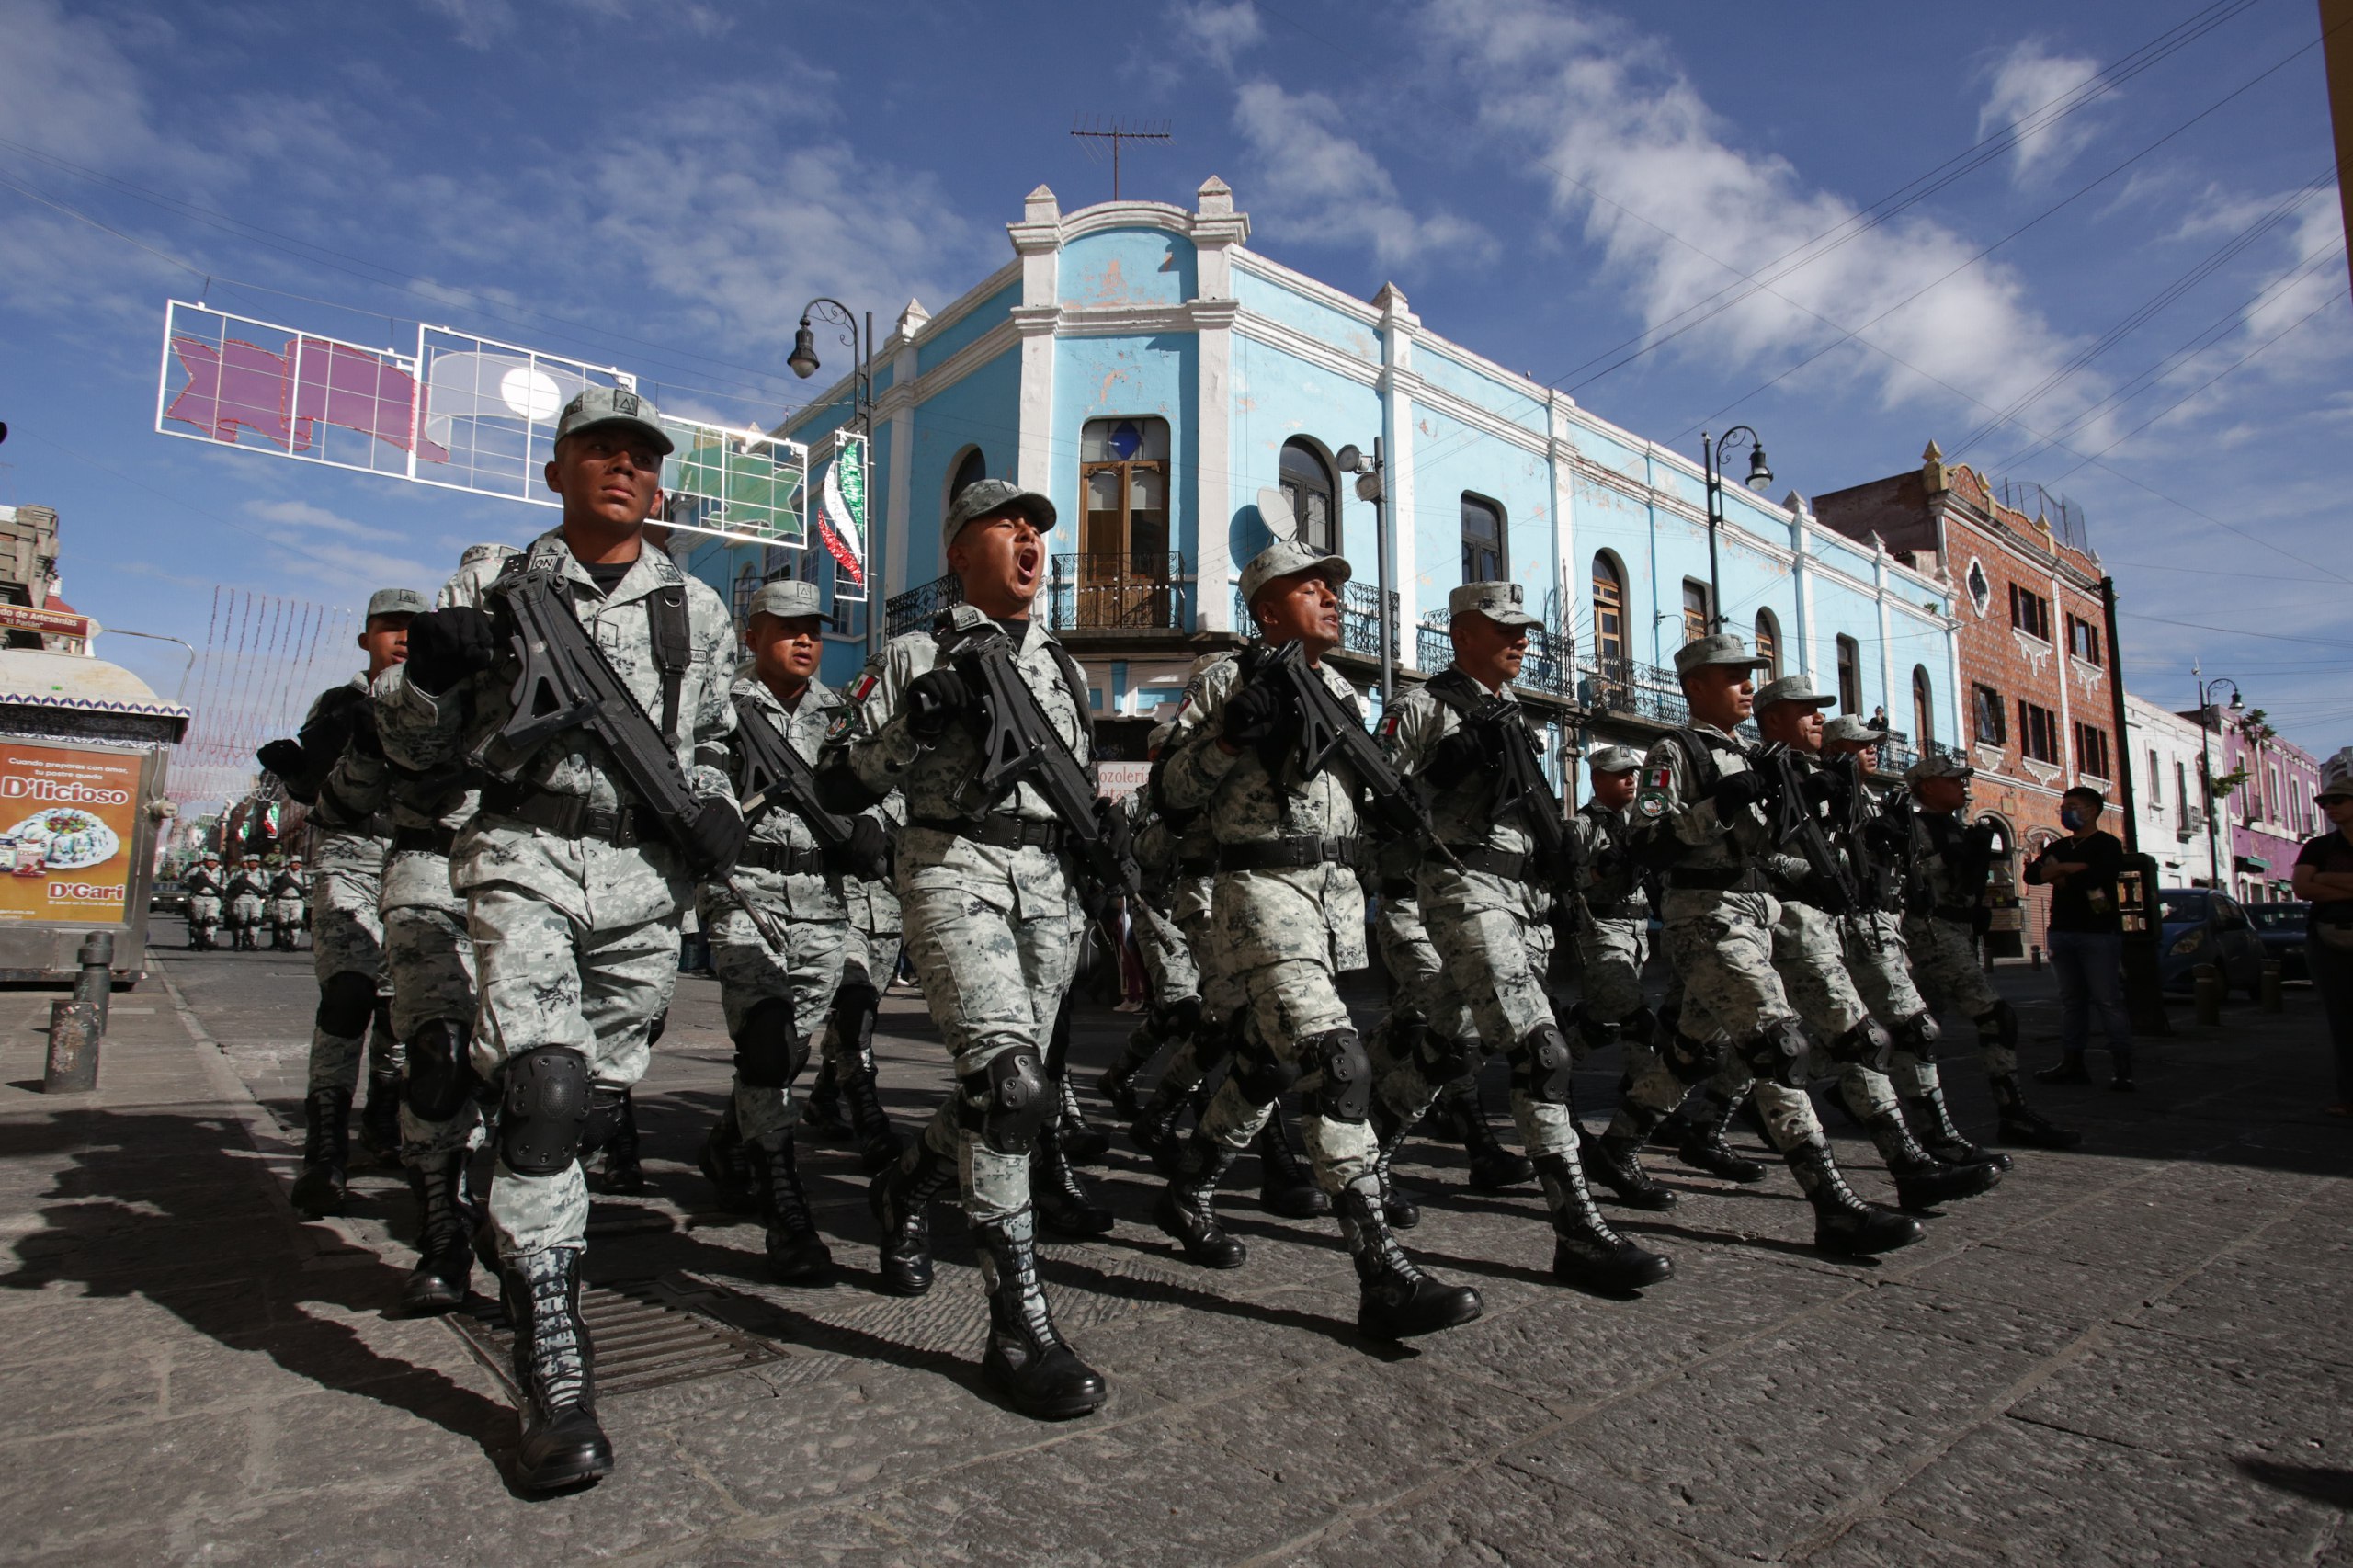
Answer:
(245, 901)
(536, 776)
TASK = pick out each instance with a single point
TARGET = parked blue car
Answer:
(2282, 926)
(2200, 926)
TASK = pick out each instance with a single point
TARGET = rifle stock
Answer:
(1795, 824)
(1326, 729)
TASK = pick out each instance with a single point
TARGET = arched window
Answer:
(1924, 709)
(1313, 495)
(1850, 676)
(1609, 614)
(1698, 613)
(1483, 559)
(971, 469)
(1768, 643)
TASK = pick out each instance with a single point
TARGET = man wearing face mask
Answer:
(2087, 938)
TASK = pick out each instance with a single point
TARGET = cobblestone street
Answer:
(2132, 1353)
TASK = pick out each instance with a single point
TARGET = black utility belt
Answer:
(1512, 866)
(1716, 879)
(1197, 865)
(571, 816)
(999, 830)
(793, 860)
(425, 841)
(1619, 909)
(1288, 854)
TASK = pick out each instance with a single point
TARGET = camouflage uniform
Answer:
(575, 938)
(1612, 931)
(204, 896)
(350, 841)
(290, 896)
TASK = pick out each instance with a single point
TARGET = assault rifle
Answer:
(1520, 784)
(1324, 729)
(566, 682)
(1796, 825)
(1018, 745)
(774, 774)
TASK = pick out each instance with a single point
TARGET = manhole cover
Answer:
(647, 1334)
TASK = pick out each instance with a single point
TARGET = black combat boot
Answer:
(1187, 1209)
(1027, 1359)
(555, 1367)
(1844, 1225)
(1932, 1119)
(1585, 1251)
(722, 1161)
(447, 1218)
(1390, 1131)
(1082, 1143)
(1703, 1145)
(1492, 1166)
(1615, 1160)
(1923, 1181)
(379, 1119)
(822, 1120)
(2024, 1127)
(1058, 1192)
(900, 1199)
(326, 1153)
(1154, 1130)
(796, 1253)
(623, 1173)
(1286, 1185)
(1118, 1084)
(1396, 1298)
(879, 1144)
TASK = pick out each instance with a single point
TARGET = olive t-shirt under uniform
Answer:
(2086, 901)
(2329, 852)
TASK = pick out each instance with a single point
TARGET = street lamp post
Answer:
(1759, 475)
(2206, 689)
(1369, 480)
(804, 363)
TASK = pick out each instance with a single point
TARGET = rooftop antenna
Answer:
(1092, 133)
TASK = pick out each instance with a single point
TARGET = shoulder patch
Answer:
(1388, 725)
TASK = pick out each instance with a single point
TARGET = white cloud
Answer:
(1311, 184)
(65, 88)
(1626, 143)
(2024, 81)
(479, 23)
(350, 559)
(1219, 31)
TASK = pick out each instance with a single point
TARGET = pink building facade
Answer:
(2266, 819)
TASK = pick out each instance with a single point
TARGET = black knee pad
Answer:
(770, 1052)
(1865, 1045)
(1007, 1101)
(1998, 1024)
(1442, 1061)
(1918, 1034)
(1180, 1019)
(1541, 1065)
(346, 1002)
(1695, 1061)
(546, 1109)
(1347, 1092)
(1262, 1079)
(1597, 1034)
(1777, 1054)
(440, 1073)
(1641, 1027)
(1216, 1041)
(607, 1107)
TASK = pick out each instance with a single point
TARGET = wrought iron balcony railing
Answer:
(1125, 591)
(1360, 622)
(1548, 666)
(1640, 691)
(905, 612)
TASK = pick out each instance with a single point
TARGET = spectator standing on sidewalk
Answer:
(2325, 876)
(2086, 938)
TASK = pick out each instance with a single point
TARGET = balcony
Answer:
(1360, 620)
(1621, 688)
(1118, 592)
(1548, 667)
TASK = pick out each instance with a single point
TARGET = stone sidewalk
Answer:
(2131, 1354)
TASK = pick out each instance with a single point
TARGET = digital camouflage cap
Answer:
(600, 407)
(1717, 648)
(1286, 558)
(986, 498)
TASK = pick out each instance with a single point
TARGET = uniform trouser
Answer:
(1610, 955)
(547, 979)
(1223, 1001)
(1944, 962)
(432, 966)
(1881, 968)
(1494, 963)
(994, 982)
(1722, 946)
(346, 937)
(286, 912)
(203, 910)
(1167, 957)
(869, 959)
(246, 910)
(804, 978)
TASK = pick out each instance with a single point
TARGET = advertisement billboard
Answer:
(68, 826)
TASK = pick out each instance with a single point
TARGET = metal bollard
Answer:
(2269, 1000)
(77, 1027)
(2208, 991)
(2034, 956)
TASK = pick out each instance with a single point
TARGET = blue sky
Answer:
(660, 186)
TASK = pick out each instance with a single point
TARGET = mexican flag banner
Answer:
(841, 513)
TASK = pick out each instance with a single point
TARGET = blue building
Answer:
(1177, 395)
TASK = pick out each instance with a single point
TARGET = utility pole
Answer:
(2144, 983)
(1094, 132)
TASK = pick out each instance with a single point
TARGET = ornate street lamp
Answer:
(1759, 475)
(2206, 689)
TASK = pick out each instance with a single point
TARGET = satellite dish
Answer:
(1274, 508)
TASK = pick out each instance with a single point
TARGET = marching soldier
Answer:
(849, 1075)
(1288, 916)
(207, 888)
(1486, 899)
(575, 882)
(1703, 801)
(1172, 1009)
(289, 891)
(993, 924)
(1943, 917)
(248, 891)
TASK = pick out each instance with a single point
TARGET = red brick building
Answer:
(2033, 664)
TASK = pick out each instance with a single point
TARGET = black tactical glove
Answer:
(715, 837)
(1821, 787)
(870, 850)
(284, 759)
(1734, 790)
(1455, 758)
(1119, 833)
(1252, 715)
(934, 699)
(445, 646)
(364, 741)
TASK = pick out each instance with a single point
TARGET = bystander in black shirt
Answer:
(2331, 851)
(2086, 901)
